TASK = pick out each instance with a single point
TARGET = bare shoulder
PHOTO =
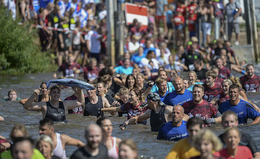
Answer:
(118, 140)
(168, 109)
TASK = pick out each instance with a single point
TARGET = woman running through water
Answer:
(112, 143)
(54, 109)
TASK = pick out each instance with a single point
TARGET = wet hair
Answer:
(123, 90)
(138, 92)
(212, 74)
(46, 121)
(22, 139)
(18, 127)
(228, 81)
(127, 78)
(55, 87)
(105, 71)
(11, 90)
(194, 121)
(46, 139)
(228, 113)
(198, 86)
(209, 136)
(103, 84)
(100, 120)
(42, 84)
(106, 79)
(229, 129)
(130, 143)
(234, 86)
(160, 80)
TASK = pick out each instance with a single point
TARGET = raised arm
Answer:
(70, 104)
(67, 140)
(136, 119)
(29, 105)
(112, 109)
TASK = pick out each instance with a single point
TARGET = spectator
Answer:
(179, 21)
(161, 8)
(233, 11)
(127, 69)
(137, 57)
(192, 18)
(133, 44)
(150, 57)
(200, 71)
(95, 46)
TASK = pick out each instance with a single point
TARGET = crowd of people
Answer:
(181, 94)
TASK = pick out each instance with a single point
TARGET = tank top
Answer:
(156, 120)
(113, 153)
(55, 114)
(59, 151)
(93, 109)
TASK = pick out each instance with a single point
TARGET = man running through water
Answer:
(54, 109)
(250, 82)
(59, 140)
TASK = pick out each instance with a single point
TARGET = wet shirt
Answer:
(177, 99)
(162, 97)
(55, 114)
(244, 110)
(67, 69)
(224, 72)
(77, 110)
(250, 84)
(134, 110)
(222, 98)
(173, 133)
(81, 153)
(203, 110)
(157, 119)
(210, 93)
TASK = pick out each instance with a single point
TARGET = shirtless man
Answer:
(59, 140)
(54, 109)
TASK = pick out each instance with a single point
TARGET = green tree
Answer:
(19, 53)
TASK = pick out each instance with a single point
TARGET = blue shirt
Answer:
(170, 87)
(136, 58)
(147, 49)
(122, 69)
(243, 110)
(162, 97)
(169, 16)
(43, 3)
(178, 99)
(171, 133)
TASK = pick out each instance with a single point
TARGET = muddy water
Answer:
(148, 146)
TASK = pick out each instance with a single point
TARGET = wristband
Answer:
(243, 72)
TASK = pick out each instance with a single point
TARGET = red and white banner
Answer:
(133, 11)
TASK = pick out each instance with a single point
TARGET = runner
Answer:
(59, 140)
(176, 129)
(54, 109)
(224, 72)
(212, 89)
(112, 143)
(161, 83)
(163, 74)
(74, 96)
(250, 82)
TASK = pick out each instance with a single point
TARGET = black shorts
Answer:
(169, 26)
(76, 47)
(54, 34)
(65, 48)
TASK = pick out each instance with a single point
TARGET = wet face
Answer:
(250, 71)
(22, 150)
(205, 148)
(12, 96)
(198, 94)
(94, 137)
(131, 81)
(133, 97)
(178, 85)
(100, 89)
(219, 63)
(44, 89)
(163, 74)
(45, 130)
(45, 148)
(163, 87)
(125, 152)
(229, 121)
(139, 79)
(193, 130)
(185, 84)
(225, 88)
(210, 81)
(177, 114)
(233, 94)
(55, 94)
(232, 139)
(107, 127)
(192, 77)
(124, 97)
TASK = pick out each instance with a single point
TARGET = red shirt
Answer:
(210, 93)
(77, 110)
(224, 72)
(250, 84)
(181, 9)
(68, 69)
(90, 73)
(243, 152)
(133, 110)
(203, 110)
(178, 19)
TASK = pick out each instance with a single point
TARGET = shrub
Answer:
(18, 52)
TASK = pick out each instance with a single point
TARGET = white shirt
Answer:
(145, 62)
(132, 46)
